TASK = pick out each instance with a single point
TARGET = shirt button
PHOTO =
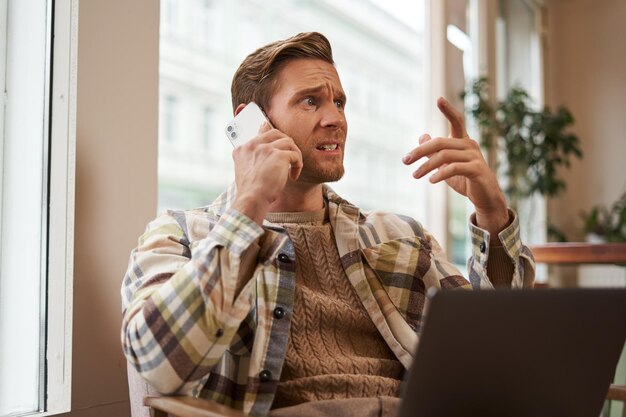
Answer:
(483, 247)
(265, 375)
(283, 258)
(279, 312)
(219, 333)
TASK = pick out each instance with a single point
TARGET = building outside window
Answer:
(170, 119)
(206, 125)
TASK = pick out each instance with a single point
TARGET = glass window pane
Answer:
(516, 52)
(23, 201)
(463, 56)
(518, 65)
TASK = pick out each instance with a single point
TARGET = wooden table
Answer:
(580, 253)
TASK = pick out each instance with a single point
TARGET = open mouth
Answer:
(328, 147)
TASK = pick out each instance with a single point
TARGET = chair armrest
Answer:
(616, 392)
(182, 406)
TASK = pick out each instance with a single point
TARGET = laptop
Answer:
(516, 353)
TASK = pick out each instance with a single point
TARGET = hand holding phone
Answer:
(245, 125)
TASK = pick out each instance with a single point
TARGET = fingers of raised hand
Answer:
(429, 146)
(455, 117)
(466, 169)
(442, 158)
(412, 156)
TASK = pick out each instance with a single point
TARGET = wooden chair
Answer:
(188, 407)
(145, 401)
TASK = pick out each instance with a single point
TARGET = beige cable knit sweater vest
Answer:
(334, 350)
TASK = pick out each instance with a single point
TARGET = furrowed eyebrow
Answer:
(316, 91)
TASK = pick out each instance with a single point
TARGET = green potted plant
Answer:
(602, 224)
(531, 145)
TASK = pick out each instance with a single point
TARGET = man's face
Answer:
(308, 105)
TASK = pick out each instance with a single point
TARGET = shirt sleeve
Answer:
(182, 303)
(519, 255)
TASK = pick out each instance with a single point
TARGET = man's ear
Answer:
(239, 108)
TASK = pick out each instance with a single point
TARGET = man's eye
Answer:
(340, 104)
(309, 101)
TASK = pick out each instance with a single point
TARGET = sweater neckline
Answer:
(300, 217)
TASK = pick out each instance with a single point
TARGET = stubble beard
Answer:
(315, 174)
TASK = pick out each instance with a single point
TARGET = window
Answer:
(206, 127)
(36, 197)
(378, 47)
(170, 118)
(169, 17)
(208, 27)
(519, 63)
(501, 41)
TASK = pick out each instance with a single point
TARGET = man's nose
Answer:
(333, 117)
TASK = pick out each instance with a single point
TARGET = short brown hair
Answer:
(255, 78)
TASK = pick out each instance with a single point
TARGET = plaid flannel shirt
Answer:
(187, 330)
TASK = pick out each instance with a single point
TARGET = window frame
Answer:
(57, 174)
(60, 262)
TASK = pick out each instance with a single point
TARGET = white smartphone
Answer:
(245, 125)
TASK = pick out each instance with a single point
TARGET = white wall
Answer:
(116, 184)
(587, 73)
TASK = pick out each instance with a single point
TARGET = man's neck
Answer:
(298, 197)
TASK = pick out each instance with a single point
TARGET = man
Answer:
(280, 294)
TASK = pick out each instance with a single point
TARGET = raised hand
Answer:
(459, 161)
